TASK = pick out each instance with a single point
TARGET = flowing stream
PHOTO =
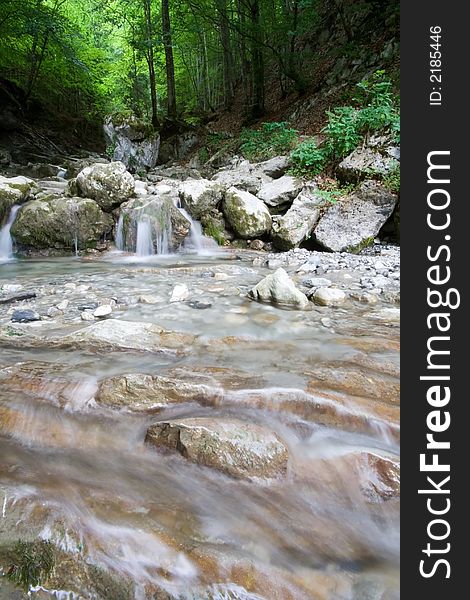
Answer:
(6, 241)
(79, 473)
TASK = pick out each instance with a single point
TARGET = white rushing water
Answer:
(144, 242)
(6, 241)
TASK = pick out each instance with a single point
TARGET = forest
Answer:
(167, 60)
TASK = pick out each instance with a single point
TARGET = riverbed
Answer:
(78, 472)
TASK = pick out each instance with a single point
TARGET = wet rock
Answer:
(103, 311)
(60, 223)
(150, 299)
(168, 226)
(316, 282)
(299, 221)
(234, 447)
(14, 190)
(280, 191)
(199, 305)
(180, 293)
(257, 245)
(140, 392)
(247, 215)
(87, 315)
(353, 222)
(25, 316)
(200, 196)
(329, 297)
(126, 335)
(108, 184)
(133, 143)
(278, 288)
(17, 297)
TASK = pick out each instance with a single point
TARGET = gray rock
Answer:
(379, 158)
(274, 167)
(297, 224)
(180, 293)
(280, 191)
(168, 226)
(353, 222)
(244, 176)
(327, 296)
(200, 196)
(133, 143)
(232, 446)
(59, 223)
(25, 316)
(14, 190)
(108, 184)
(316, 282)
(278, 288)
(246, 214)
(103, 311)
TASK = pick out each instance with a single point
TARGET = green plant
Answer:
(308, 159)
(331, 191)
(342, 132)
(392, 180)
(31, 563)
(271, 140)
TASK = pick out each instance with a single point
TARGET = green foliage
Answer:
(392, 180)
(332, 191)
(32, 563)
(308, 159)
(271, 140)
(216, 233)
(375, 111)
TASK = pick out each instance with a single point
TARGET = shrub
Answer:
(271, 140)
(392, 180)
(308, 158)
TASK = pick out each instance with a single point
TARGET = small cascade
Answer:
(120, 242)
(144, 242)
(6, 241)
(196, 240)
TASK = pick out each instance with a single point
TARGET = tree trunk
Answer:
(151, 64)
(224, 31)
(169, 61)
(257, 102)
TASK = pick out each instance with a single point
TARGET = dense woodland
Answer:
(175, 59)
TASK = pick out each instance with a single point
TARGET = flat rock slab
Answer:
(232, 446)
(142, 392)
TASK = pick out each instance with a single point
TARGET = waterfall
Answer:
(144, 242)
(120, 242)
(6, 241)
(196, 240)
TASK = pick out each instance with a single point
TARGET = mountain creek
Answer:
(198, 422)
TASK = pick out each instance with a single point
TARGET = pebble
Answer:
(70, 286)
(103, 311)
(180, 293)
(25, 316)
(316, 282)
(329, 297)
(149, 299)
(62, 305)
(87, 316)
(221, 276)
(53, 311)
(199, 305)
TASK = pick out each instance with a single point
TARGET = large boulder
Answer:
(142, 392)
(167, 226)
(353, 222)
(299, 221)
(378, 158)
(244, 175)
(60, 224)
(232, 446)
(281, 191)
(109, 184)
(200, 196)
(247, 215)
(278, 288)
(14, 190)
(132, 142)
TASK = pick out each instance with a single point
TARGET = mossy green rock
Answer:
(14, 190)
(55, 223)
